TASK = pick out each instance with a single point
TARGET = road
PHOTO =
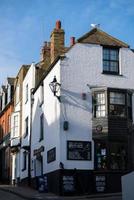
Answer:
(8, 196)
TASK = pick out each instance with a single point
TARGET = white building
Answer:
(16, 125)
(82, 135)
(28, 86)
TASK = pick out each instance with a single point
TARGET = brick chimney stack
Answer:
(45, 55)
(57, 41)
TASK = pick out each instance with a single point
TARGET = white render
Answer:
(127, 186)
(82, 65)
(51, 110)
(26, 112)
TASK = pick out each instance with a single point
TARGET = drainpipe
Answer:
(29, 154)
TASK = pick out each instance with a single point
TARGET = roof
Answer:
(97, 36)
(10, 80)
(47, 72)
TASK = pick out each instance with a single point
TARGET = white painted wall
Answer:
(83, 65)
(51, 110)
(26, 112)
(128, 186)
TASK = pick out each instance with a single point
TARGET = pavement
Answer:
(32, 194)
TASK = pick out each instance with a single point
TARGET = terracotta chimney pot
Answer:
(72, 41)
(58, 24)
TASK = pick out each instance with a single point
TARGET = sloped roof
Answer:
(10, 80)
(97, 36)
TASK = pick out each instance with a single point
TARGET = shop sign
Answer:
(51, 155)
(68, 184)
(78, 150)
(38, 151)
(100, 181)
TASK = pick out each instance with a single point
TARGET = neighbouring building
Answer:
(82, 130)
(49, 52)
(6, 107)
(16, 124)
(27, 102)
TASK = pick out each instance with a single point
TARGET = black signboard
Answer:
(51, 155)
(68, 184)
(78, 150)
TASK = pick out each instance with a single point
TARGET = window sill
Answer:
(41, 139)
(23, 169)
(113, 74)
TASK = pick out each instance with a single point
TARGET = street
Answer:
(8, 196)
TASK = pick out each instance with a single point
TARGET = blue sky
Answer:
(25, 25)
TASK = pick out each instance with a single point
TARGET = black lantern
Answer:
(55, 86)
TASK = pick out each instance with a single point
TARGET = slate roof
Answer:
(97, 36)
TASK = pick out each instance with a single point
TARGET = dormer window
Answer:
(110, 60)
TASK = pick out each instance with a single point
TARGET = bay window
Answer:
(99, 105)
(117, 104)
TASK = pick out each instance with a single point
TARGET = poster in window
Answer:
(78, 150)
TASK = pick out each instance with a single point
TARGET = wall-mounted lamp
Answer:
(55, 86)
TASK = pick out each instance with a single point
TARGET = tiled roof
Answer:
(97, 36)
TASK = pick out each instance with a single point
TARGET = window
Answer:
(17, 94)
(129, 105)
(101, 156)
(117, 104)
(41, 127)
(26, 93)
(26, 127)
(41, 94)
(111, 60)
(15, 125)
(9, 122)
(118, 156)
(99, 105)
(24, 160)
(111, 155)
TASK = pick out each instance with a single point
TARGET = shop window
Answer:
(99, 104)
(110, 60)
(118, 156)
(101, 156)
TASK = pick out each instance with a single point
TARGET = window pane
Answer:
(114, 55)
(113, 66)
(106, 54)
(117, 98)
(106, 65)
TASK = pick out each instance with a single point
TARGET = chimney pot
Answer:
(72, 41)
(45, 43)
(58, 24)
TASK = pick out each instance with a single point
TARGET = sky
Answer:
(25, 25)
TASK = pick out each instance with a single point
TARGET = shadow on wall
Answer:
(75, 99)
